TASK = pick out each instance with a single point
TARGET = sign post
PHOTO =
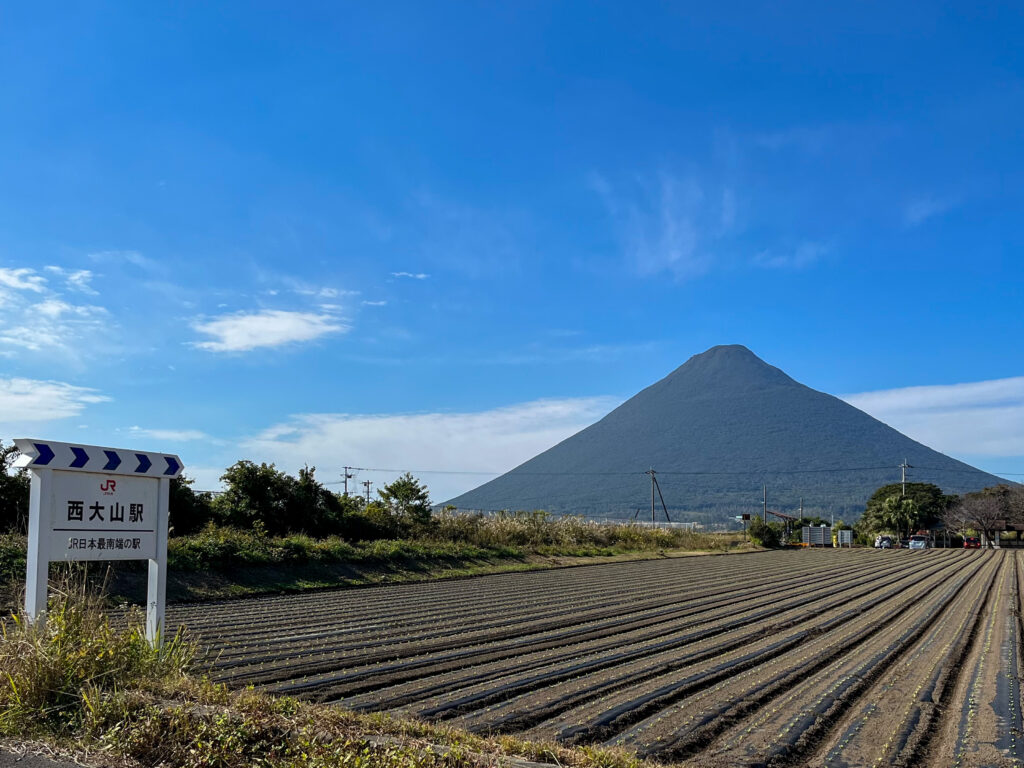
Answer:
(93, 503)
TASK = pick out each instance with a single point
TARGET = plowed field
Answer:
(832, 658)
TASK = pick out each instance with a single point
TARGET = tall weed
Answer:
(49, 670)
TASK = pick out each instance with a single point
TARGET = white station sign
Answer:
(103, 517)
(93, 503)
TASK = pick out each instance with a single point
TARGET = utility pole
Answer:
(651, 473)
(801, 509)
(656, 485)
(764, 516)
(367, 484)
(903, 480)
(346, 477)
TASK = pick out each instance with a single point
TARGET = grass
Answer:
(54, 670)
(446, 537)
(80, 684)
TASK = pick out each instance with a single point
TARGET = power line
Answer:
(638, 473)
(602, 474)
(565, 473)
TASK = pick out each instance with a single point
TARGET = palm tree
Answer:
(900, 513)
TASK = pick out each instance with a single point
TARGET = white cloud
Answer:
(920, 210)
(172, 435)
(805, 255)
(984, 418)
(27, 401)
(413, 275)
(55, 308)
(244, 331)
(374, 303)
(489, 442)
(22, 279)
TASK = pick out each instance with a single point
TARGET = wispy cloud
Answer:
(322, 292)
(809, 139)
(667, 223)
(245, 331)
(37, 318)
(804, 255)
(464, 238)
(920, 210)
(984, 418)
(374, 303)
(77, 280)
(491, 441)
(126, 257)
(172, 435)
(26, 401)
(589, 353)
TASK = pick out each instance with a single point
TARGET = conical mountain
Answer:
(715, 430)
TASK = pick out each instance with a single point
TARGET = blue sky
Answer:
(445, 236)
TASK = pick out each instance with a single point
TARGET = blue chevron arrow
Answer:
(113, 461)
(81, 457)
(46, 454)
(172, 465)
(144, 462)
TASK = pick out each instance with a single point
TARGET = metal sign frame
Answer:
(52, 464)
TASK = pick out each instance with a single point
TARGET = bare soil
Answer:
(821, 657)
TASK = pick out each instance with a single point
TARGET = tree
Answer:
(281, 503)
(313, 508)
(189, 511)
(900, 513)
(256, 493)
(1010, 500)
(929, 499)
(14, 491)
(407, 500)
(984, 511)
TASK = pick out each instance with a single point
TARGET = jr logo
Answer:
(109, 486)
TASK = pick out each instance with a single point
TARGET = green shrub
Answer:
(12, 558)
(763, 534)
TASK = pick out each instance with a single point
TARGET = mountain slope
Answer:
(715, 429)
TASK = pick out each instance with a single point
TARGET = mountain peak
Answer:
(718, 428)
(729, 366)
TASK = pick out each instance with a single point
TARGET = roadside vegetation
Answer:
(921, 506)
(83, 684)
(270, 531)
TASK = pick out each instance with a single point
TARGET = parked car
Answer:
(918, 542)
(972, 542)
(904, 543)
(883, 542)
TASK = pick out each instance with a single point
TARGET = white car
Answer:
(918, 542)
